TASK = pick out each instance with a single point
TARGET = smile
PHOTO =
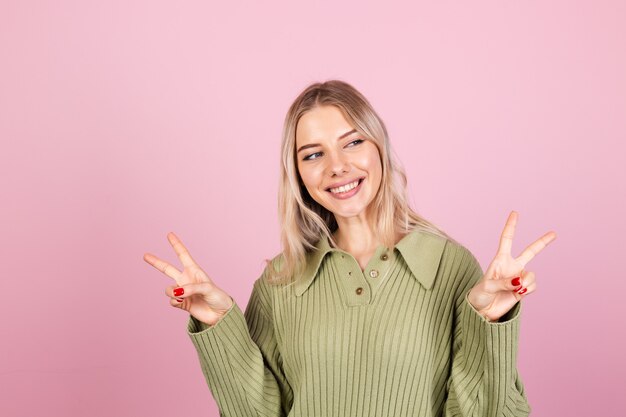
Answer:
(347, 190)
(344, 188)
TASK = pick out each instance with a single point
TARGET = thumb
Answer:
(493, 286)
(187, 290)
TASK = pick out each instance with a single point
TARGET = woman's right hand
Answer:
(200, 297)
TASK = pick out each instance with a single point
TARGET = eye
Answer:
(356, 142)
(311, 157)
(318, 154)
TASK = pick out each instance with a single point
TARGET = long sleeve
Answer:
(241, 361)
(484, 380)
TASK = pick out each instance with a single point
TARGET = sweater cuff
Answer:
(226, 353)
(213, 342)
(498, 340)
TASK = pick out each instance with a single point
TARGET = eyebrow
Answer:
(312, 145)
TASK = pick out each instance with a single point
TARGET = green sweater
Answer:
(397, 339)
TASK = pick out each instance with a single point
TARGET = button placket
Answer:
(379, 268)
(352, 279)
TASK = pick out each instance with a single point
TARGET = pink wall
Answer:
(123, 120)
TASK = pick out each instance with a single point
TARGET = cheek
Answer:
(371, 163)
(308, 176)
(374, 168)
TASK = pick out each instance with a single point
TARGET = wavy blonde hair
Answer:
(303, 220)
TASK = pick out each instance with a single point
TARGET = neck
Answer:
(355, 235)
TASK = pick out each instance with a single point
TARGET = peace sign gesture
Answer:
(194, 291)
(498, 291)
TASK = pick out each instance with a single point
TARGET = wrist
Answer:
(221, 314)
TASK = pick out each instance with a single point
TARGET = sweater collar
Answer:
(420, 250)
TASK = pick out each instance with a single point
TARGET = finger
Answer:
(506, 239)
(523, 292)
(162, 266)
(169, 291)
(519, 281)
(509, 284)
(536, 247)
(175, 303)
(187, 290)
(494, 286)
(173, 291)
(181, 250)
(527, 281)
(181, 292)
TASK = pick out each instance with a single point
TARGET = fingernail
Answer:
(178, 292)
(180, 300)
(516, 281)
(522, 291)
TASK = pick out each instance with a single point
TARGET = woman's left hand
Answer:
(499, 290)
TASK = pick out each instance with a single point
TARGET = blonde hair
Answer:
(303, 220)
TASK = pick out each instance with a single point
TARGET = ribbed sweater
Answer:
(398, 338)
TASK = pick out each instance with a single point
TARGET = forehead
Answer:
(321, 123)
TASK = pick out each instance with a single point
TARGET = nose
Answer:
(337, 164)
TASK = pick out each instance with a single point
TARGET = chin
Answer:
(347, 211)
(344, 209)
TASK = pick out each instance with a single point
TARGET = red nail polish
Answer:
(515, 281)
(178, 292)
(522, 291)
(180, 300)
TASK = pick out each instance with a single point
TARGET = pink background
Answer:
(123, 120)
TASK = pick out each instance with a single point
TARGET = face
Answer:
(340, 168)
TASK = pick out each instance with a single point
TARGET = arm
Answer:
(241, 361)
(484, 380)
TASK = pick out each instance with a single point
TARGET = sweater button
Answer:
(373, 273)
(359, 291)
(384, 257)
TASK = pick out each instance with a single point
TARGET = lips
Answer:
(347, 194)
(340, 184)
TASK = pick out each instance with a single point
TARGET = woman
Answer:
(370, 309)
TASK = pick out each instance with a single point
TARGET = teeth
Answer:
(344, 188)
